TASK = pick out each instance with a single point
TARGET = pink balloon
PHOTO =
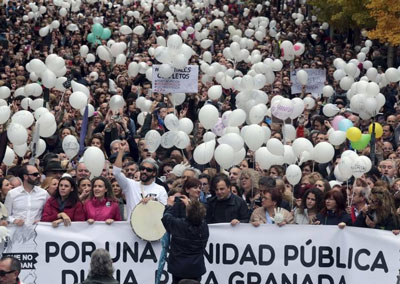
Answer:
(336, 120)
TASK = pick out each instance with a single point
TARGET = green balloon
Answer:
(91, 38)
(97, 29)
(106, 34)
(98, 41)
(362, 143)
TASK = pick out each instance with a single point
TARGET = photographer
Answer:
(189, 238)
(380, 213)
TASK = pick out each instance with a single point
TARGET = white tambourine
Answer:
(146, 221)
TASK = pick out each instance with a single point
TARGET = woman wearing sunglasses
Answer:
(65, 206)
(102, 205)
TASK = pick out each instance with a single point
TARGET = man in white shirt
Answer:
(25, 203)
(144, 190)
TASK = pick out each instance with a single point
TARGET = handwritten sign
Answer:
(315, 83)
(181, 81)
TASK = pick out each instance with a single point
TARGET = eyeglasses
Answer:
(34, 174)
(149, 170)
(4, 273)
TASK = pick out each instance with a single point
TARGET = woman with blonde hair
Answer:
(248, 184)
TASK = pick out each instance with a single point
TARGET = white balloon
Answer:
(153, 140)
(298, 107)
(37, 66)
(165, 70)
(232, 139)
(84, 50)
(309, 102)
(125, 30)
(17, 134)
(215, 92)
(178, 98)
(282, 109)
(302, 77)
(4, 113)
(25, 103)
(4, 92)
(330, 110)
(186, 125)
(301, 145)
(182, 140)
(327, 91)
(323, 152)
(237, 117)
(139, 30)
(78, 100)
(293, 174)
(20, 150)
(224, 155)
(204, 152)
(288, 156)
(168, 139)
(23, 117)
(117, 102)
(94, 160)
(337, 137)
(48, 79)
(9, 157)
(171, 122)
(275, 147)
(289, 132)
(254, 136)
(208, 116)
(70, 146)
(40, 148)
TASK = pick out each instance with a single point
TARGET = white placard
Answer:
(181, 81)
(315, 83)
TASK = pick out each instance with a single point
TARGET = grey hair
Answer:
(150, 161)
(101, 263)
(115, 141)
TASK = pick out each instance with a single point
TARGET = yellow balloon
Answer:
(378, 130)
(353, 134)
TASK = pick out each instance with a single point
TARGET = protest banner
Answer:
(181, 81)
(293, 254)
(315, 83)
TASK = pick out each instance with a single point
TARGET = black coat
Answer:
(224, 211)
(100, 280)
(390, 223)
(188, 242)
(332, 219)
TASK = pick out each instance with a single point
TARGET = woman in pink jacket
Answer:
(102, 205)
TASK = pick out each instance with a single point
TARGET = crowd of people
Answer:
(56, 189)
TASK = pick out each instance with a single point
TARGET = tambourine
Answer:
(146, 221)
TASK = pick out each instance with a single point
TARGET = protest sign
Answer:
(295, 254)
(181, 81)
(315, 83)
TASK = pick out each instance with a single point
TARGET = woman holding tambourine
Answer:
(102, 205)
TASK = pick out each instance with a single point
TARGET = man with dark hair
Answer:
(224, 206)
(145, 189)
(10, 268)
(25, 203)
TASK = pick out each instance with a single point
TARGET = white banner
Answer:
(236, 255)
(181, 81)
(315, 83)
